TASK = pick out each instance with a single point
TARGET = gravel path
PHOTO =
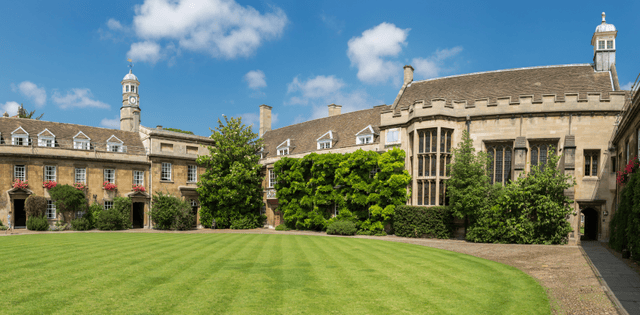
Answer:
(562, 270)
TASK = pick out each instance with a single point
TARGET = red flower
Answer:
(20, 184)
(49, 184)
(109, 186)
(139, 188)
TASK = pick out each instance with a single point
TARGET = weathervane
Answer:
(130, 63)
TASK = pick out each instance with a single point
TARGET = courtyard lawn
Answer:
(150, 273)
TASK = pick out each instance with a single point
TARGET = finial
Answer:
(5, 114)
(603, 20)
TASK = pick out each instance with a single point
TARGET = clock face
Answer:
(132, 100)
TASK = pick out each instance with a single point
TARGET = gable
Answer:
(81, 136)
(46, 133)
(19, 131)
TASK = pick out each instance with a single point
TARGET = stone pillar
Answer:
(569, 161)
(265, 119)
(519, 156)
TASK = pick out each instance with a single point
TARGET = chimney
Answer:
(265, 118)
(408, 74)
(159, 127)
(335, 110)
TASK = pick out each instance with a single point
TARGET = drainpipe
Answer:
(468, 122)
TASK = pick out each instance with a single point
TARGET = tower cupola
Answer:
(604, 45)
(130, 110)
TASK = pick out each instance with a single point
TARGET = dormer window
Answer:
(19, 137)
(81, 141)
(325, 141)
(365, 136)
(283, 148)
(115, 145)
(46, 139)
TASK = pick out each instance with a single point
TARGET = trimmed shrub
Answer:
(171, 213)
(249, 221)
(35, 206)
(116, 218)
(282, 227)
(80, 224)
(69, 200)
(429, 222)
(38, 224)
(342, 228)
(93, 211)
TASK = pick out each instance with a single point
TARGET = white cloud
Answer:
(221, 28)
(80, 98)
(31, 91)
(627, 86)
(145, 52)
(433, 66)
(255, 79)
(114, 25)
(10, 107)
(110, 123)
(367, 51)
(321, 91)
(332, 23)
(316, 87)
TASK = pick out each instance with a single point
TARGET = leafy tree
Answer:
(116, 218)
(469, 184)
(230, 189)
(171, 213)
(531, 210)
(35, 206)
(23, 113)
(68, 200)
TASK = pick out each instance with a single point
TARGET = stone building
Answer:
(518, 116)
(40, 151)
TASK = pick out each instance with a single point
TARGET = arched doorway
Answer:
(590, 224)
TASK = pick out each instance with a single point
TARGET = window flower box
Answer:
(20, 184)
(138, 188)
(109, 186)
(49, 184)
(80, 186)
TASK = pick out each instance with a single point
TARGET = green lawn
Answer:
(144, 273)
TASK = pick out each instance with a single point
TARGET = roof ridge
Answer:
(63, 123)
(503, 70)
(355, 111)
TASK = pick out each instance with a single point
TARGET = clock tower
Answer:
(130, 110)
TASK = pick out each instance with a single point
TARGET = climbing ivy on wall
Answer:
(364, 186)
(625, 224)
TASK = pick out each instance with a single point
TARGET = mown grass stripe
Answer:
(253, 274)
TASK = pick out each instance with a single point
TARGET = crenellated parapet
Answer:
(592, 103)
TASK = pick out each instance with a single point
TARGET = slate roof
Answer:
(64, 133)
(558, 80)
(304, 135)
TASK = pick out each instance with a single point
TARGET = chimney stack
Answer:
(408, 74)
(335, 110)
(265, 119)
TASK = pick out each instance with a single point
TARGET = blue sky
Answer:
(199, 59)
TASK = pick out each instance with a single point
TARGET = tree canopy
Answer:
(230, 190)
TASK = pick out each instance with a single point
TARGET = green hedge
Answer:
(432, 222)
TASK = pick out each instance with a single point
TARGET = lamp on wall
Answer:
(606, 213)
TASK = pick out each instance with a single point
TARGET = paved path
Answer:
(623, 281)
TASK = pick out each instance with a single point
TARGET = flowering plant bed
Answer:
(49, 184)
(109, 186)
(632, 167)
(20, 184)
(79, 186)
(139, 188)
